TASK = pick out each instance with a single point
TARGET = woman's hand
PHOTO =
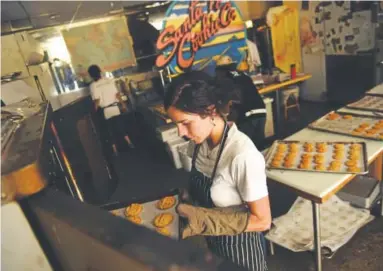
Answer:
(260, 215)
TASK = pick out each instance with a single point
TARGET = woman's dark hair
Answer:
(94, 72)
(196, 91)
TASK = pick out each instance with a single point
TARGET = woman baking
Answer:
(228, 180)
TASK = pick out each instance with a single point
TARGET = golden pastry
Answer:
(166, 203)
(307, 156)
(308, 147)
(351, 163)
(293, 147)
(339, 146)
(282, 147)
(304, 166)
(135, 219)
(358, 130)
(275, 163)
(338, 155)
(288, 164)
(364, 125)
(319, 158)
(320, 167)
(347, 117)
(163, 219)
(371, 131)
(163, 231)
(277, 157)
(332, 116)
(306, 160)
(355, 146)
(133, 210)
(321, 147)
(334, 167)
(353, 169)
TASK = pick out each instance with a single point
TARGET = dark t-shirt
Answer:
(250, 98)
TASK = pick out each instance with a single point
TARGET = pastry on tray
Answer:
(163, 219)
(163, 231)
(347, 117)
(353, 169)
(135, 219)
(133, 210)
(333, 116)
(276, 163)
(320, 167)
(355, 146)
(293, 147)
(166, 203)
(303, 165)
(319, 158)
(351, 163)
(338, 155)
(364, 125)
(339, 146)
(282, 147)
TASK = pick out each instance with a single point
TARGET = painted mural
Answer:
(195, 34)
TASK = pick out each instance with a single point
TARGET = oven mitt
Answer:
(213, 221)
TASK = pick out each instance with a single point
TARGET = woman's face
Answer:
(193, 126)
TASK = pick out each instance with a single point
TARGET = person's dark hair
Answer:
(94, 72)
(195, 92)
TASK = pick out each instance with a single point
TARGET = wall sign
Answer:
(195, 34)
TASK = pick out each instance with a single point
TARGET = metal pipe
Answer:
(317, 239)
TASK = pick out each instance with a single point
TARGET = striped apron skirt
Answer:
(246, 249)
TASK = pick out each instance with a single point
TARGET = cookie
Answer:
(351, 163)
(353, 169)
(334, 167)
(163, 231)
(133, 210)
(338, 155)
(275, 163)
(339, 146)
(304, 166)
(355, 147)
(166, 203)
(332, 116)
(320, 167)
(288, 164)
(364, 125)
(307, 156)
(163, 219)
(135, 219)
(282, 147)
(293, 147)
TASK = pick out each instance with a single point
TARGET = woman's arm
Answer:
(260, 215)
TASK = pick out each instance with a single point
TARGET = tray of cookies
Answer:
(157, 213)
(369, 127)
(368, 103)
(331, 157)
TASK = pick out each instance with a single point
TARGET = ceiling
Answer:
(24, 15)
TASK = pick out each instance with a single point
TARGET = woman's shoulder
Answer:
(240, 144)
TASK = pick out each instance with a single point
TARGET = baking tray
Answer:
(362, 162)
(346, 127)
(365, 103)
(150, 211)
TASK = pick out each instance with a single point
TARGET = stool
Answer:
(290, 100)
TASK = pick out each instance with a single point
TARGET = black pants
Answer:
(116, 129)
(254, 128)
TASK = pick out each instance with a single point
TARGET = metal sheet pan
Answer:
(328, 156)
(150, 211)
(346, 126)
(365, 103)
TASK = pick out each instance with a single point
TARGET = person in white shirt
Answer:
(227, 171)
(107, 97)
